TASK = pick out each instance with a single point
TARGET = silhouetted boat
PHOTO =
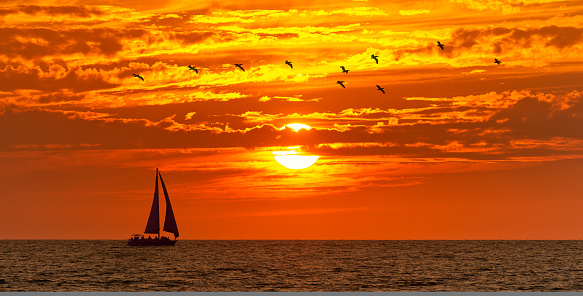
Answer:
(153, 225)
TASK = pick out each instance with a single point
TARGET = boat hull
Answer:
(150, 242)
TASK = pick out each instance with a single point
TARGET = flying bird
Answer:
(193, 68)
(380, 88)
(497, 61)
(137, 75)
(340, 82)
(240, 66)
(344, 70)
(375, 57)
(289, 64)
(440, 45)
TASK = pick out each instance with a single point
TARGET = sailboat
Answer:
(153, 225)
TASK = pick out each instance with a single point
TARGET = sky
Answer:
(458, 147)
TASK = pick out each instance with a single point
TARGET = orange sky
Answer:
(458, 147)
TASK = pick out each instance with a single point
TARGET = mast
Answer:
(153, 225)
(169, 221)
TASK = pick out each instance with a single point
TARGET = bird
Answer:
(344, 70)
(193, 68)
(380, 88)
(289, 64)
(137, 75)
(440, 45)
(240, 67)
(497, 61)
(375, 57)
(340, 82)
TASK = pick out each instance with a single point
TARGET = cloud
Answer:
(262, 15)
(77, 11)
(62, 96)
(33, 43)
(242, 16)
(475, 71)
(414, 11)
(504, 6)
(54, 80)
(361, 11)
(528, 46)
(192, 37)
(505, 38)
(542, 117)
(297, 98)
(490, 127)
(219, 19)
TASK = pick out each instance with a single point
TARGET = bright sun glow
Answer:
(297, 126)
(291, 160)
(296, 162)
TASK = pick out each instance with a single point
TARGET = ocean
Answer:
(289, 265)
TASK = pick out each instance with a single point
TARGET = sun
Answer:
(292, 159)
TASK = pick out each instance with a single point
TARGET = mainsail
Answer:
(153, 225)
(169, 221)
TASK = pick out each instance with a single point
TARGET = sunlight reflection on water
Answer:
(292, 266)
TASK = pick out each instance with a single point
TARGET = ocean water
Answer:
(203, 266)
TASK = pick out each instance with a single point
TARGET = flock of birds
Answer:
(344, 70)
